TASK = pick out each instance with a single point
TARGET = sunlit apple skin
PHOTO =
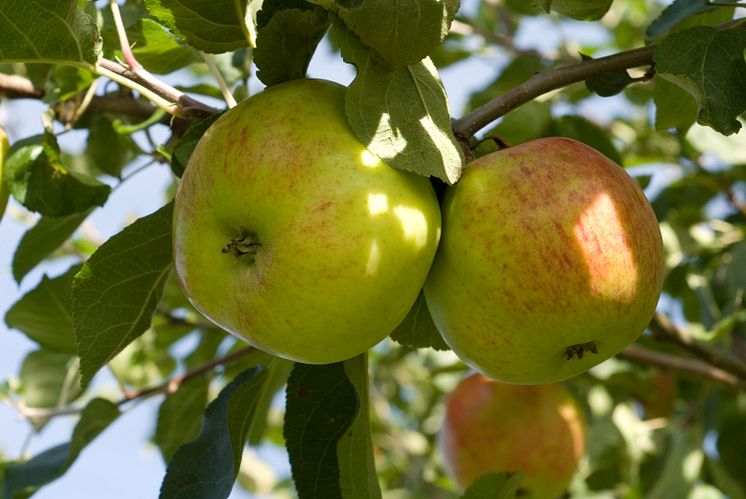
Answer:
(551, 262)
(345, 242)
(491, 426)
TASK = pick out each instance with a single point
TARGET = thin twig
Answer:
(18, 87)
(227, 95)
(174, 383)
(136, 72)
(646, 356)
(168, 386)
(663, 329)
(181, 104)
(114, 71)
(124, 43)
(87, 98)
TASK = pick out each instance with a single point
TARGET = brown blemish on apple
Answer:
(580, 349)
(323, 206)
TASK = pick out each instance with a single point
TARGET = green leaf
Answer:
(180, 416)
(607, 84)
(271, 7)
(730, 445)
(402, 115)
(53, 31)
(683, 14)
(674, 106)
(357, 468)
(43, 313)
(708, 63)
(418, 330)
(116, 291)
(733, 486)
(109, 149)
(213, 26)
(207, 466)
(736, 276)
(579, 128)
(22, 479)
(584, 10)
(683, 465)
(673, 14)
(66, 82)
(277, 375)
(321, 406)
(494, 486)
(527, 122)
(39, 181)
(606, 452)
(285, 45)
(402, 32)
(43, 238)
(182, 151)
(157, 50)
(44, 375)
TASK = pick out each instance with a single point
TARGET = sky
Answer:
(121, 463)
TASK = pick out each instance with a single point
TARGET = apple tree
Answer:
(131, 87)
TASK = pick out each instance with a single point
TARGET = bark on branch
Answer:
(546, 81)
(168, 386)
(684, 365)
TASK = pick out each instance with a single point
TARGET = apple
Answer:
(551, 261)
(491, 426)
(4, 191)
(290, 234)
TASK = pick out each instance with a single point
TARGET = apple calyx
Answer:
(580, 349)
(244, 248)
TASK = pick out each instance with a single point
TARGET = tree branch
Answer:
(18, 87)
(684, 365)
(183, 105)
(664, 330)
(168, 387)
(174, 383)
(546, 81)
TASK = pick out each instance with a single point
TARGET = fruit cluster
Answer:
(291, 235)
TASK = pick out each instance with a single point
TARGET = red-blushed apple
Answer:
(551, 262)
(4, 191)
(290, 234)
(491, 426)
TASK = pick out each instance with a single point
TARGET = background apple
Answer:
(290, 234)
(490, 427)
(551, 262)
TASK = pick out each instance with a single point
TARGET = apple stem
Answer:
(244, 248)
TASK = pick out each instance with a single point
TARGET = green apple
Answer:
(551, 261)
(4, 191)
(290, 234)
(490, 427)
